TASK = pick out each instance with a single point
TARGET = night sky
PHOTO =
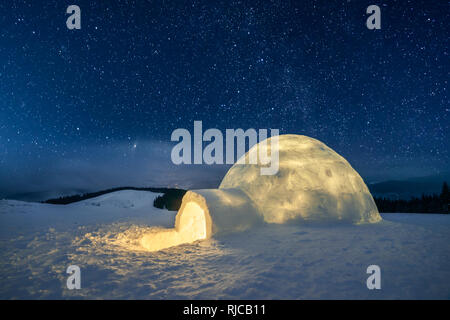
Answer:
(94, 108)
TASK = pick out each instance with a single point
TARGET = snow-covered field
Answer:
(102, 236)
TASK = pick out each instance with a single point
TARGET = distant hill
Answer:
(171, 198)
(412, 187)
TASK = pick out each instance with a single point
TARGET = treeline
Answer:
(168, 200)
(425, 204)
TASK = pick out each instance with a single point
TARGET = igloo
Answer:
(313, 183)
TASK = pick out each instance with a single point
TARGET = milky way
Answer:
(137, 70)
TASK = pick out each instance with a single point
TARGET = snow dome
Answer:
(313, 183)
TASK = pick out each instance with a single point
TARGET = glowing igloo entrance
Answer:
(190, 226)
(204, 213)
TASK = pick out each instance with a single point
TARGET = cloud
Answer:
(141, 164)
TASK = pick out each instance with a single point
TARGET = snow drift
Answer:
(103, 237)
(313, 183)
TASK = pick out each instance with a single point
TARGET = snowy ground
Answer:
(39, 241)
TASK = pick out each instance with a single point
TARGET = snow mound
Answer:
(127, 206)
(313, 183)
(121, 199)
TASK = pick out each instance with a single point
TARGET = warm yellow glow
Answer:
(191, 227)
(192, 222)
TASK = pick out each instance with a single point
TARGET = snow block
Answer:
(225, 210)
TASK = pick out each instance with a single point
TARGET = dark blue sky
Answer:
(95, 107)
